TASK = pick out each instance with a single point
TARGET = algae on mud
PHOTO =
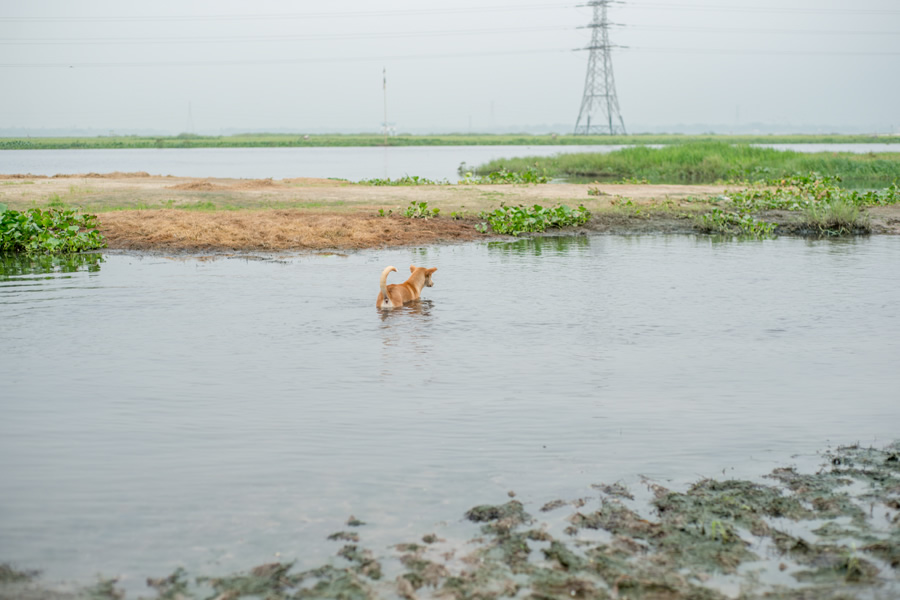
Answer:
(677, 545)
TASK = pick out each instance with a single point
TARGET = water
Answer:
(432, 162)
(222, 413)
(353, 163)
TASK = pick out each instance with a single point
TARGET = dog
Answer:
(398, 294)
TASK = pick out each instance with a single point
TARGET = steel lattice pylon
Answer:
(599, 112)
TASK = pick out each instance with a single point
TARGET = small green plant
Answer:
(383, 213)
(54, 201)
(828, 208)
(837, 216)
(513, 220)
(740, 224)
(503, 176)
(48, 231)
(721, 531)
(406, 180)
(420, 210)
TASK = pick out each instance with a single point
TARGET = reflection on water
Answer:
(160, 413)
(16, 265)
(542, 245)
(420, 308)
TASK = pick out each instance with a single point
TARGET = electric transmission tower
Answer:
(599, 112)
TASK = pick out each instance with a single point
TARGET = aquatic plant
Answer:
(503, 176)
(420, 210)
(837, 216)
(735, 223)
(513, 220)
(406, 180)
(50, 231)
(673, 546)
(828, 209)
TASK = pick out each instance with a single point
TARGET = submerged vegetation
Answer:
(832, 534)
(49, 231)
(707, 162)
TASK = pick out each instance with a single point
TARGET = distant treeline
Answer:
(707, 162)
(266, 140)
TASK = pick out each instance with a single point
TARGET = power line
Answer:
(437, 11)
(281, 61)
(396, 34)
(764, 9)
(282, 16)
(275, 38)
(257, 62)
(760, 52)
(754, 30)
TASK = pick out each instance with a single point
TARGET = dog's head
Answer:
(428, 274)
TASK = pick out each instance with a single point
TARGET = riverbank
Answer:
(274, 140)
(707, 162)
(138, 211)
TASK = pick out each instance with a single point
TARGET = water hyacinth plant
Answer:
(513, 220)
(50, 231)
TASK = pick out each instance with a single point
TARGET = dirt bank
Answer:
(147, 212)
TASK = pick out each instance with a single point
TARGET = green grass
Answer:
(837, 216)
(827, 209)
(707, 162)
(270, 140)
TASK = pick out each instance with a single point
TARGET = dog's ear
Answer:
(412, 268)
(430, 271)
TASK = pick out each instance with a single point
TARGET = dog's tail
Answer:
(384, 275)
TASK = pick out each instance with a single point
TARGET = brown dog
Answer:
(397, 294)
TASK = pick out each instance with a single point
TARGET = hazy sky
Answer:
(456, 65)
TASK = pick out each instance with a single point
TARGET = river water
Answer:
(432, 162)
(219, 413)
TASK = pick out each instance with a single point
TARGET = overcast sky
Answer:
(453, 66)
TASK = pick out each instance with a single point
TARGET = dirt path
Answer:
(146, 212)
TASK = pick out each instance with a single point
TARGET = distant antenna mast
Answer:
(599, 112)
(384, 86)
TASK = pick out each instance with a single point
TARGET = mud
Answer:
(139, 211)
(843, 542)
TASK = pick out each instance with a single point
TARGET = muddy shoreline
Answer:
(144, 212)
(828, 534)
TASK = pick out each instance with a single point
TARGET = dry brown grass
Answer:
(203, 186)
(272, 230)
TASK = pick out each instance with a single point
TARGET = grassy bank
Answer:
(708, 162)
(269, 140)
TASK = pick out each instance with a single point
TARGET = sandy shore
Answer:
(139, 211)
